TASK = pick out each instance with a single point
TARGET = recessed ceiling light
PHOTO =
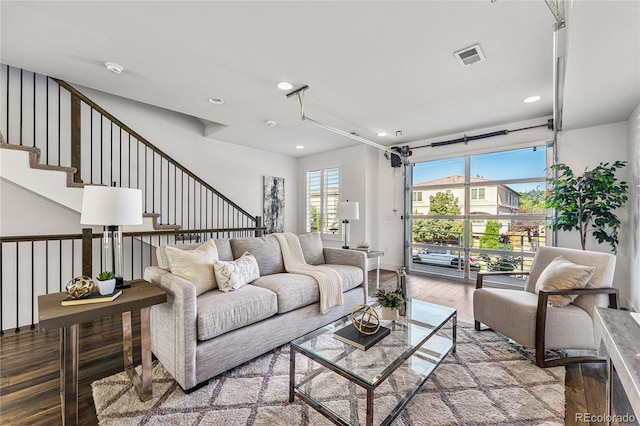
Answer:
(113, 67)
(382, 134)
(270, 123)
(299, 146)
(216, 101)
(284, 85)
(531, 99)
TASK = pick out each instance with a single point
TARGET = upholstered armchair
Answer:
(530, 320)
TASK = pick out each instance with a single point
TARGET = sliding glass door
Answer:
(478, 212)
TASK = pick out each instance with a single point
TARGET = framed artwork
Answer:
(273, 208)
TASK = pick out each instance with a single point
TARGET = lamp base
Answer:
(121, 283)
(345, 247)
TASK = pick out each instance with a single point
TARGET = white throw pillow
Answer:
(234, 274)
(195, 266)
(562, 274)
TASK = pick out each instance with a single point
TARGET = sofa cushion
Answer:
(293, 290)
(231, 275)
(266, 251)
(562, 274)
(220, 312)
(224, 249)
(296, 290)
(312, 249)
(222, 245)
(195, 266)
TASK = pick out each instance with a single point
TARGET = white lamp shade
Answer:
(348, 210)
(107, 206)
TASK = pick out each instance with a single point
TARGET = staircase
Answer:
(57, 141)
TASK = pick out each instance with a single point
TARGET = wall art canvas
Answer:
(273, 204)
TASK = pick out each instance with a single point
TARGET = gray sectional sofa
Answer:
(198, 337)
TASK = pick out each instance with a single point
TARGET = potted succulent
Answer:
(106, 282)
(390, 301)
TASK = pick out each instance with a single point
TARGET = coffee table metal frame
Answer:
(415, 318)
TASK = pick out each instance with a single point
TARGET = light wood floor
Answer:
(29, 361)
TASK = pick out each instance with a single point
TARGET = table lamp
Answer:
(347, 211)
(112, 207)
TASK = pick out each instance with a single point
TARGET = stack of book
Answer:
(92, 298)
(352, 336)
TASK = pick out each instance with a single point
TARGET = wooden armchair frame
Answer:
(541, 318)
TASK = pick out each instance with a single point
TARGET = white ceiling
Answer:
(371, 65)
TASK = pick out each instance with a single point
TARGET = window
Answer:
(477, 194)
(322, 196)
(417, 196)
(496, 224)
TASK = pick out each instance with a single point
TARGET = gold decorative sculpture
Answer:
(368, 322)
(80, 287)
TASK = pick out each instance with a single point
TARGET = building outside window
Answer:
(322, 196)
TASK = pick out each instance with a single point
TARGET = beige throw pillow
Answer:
(562, 274)
(195, 266)
(233, 275)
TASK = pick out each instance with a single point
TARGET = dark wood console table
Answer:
(621, 337)
(142, 295)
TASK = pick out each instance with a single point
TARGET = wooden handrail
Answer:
(145, 142)
(27, 238)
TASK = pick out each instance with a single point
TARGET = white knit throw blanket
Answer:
(329, 281)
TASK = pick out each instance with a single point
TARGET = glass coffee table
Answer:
(346, 384)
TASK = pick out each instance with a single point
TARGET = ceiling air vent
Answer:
(470, 55)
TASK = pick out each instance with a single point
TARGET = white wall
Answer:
(25, 213)
(633, 156)
(586, 148)
(357, 179)
(236, 171)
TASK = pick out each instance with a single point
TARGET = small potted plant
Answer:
(106, 282)
(390, 301)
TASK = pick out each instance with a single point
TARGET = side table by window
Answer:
(375, 254)
(141, 295)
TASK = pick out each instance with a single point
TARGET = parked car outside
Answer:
(444, 257)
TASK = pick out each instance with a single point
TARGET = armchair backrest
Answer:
(602, 277)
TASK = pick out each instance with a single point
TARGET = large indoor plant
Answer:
(586, 202)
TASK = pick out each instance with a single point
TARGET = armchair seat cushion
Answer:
(513, 313)
(220, 312)
(295, 290)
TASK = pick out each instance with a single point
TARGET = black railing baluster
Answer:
(33, 286)
(160, 190)
(46, 266)
(146, 188)
(46, 120)
(153, 182)
(34, 109)
(21, 73)
(60, 271)
(17, 330)
(111, 154)
(7, 108)
(59, 126)
(175, 195)
(120, 152)
(101, 164)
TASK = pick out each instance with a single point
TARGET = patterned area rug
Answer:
(488, 381)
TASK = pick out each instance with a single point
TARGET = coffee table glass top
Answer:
(414, 334)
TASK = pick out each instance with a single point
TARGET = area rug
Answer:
(488, 381)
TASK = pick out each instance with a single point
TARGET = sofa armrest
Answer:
(481, 274)
(338, 256)
(174, 326)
